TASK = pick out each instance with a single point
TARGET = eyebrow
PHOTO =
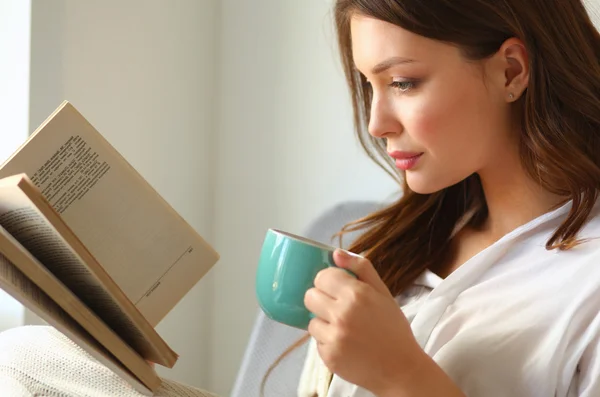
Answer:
(388, 63)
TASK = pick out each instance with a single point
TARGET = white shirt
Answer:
(515, 320)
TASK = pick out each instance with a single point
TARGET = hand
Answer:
(361, 333)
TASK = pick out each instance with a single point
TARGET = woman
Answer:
(490, 112)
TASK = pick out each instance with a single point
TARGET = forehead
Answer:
(374, 41)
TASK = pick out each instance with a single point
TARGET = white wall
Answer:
(142, 72)
(15, 28)
(286, 149)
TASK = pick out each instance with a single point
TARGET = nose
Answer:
(383, 122)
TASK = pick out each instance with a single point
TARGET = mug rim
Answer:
(303, 239)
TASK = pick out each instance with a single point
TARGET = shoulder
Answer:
(586, 253)
(585, 250)
(577, 270)
(591, 227)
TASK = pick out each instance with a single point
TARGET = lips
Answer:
(406, 160)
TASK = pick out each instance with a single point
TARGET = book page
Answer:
(72, 304)
(16, 284)
(32, 230)
(27, 214)
(152, 254)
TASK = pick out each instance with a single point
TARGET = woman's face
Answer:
(443, 117)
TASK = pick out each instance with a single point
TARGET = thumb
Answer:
(362, 268)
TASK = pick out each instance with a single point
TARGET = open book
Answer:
(90, 247)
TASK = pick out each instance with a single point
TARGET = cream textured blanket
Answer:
(40, 361)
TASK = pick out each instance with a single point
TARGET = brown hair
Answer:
(559, 116)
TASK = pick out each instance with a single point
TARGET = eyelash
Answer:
(400, 85)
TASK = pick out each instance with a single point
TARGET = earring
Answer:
(511, 95)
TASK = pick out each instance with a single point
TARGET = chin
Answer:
(421, 184)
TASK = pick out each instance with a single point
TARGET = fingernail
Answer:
(349, 254)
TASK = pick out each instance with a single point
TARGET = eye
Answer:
(403, 85)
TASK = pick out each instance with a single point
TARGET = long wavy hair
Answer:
(559, 117)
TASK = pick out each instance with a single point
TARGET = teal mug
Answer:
(287, 268)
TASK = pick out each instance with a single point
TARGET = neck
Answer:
(513, 198)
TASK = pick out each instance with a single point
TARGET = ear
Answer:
(515, 63)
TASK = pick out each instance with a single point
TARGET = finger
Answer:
(362, 268)
(319, 330)
(332, 281)
(319, 303)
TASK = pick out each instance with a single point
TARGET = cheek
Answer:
(429, 120)
(447, 120)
